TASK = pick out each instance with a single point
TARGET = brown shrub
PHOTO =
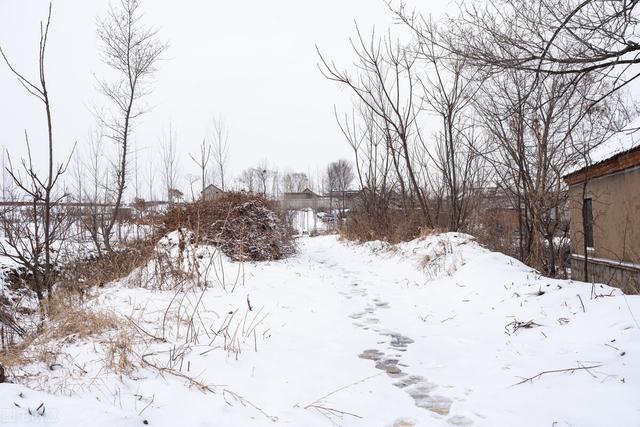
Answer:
(68, 321)
(397, 226)
(244, 226)
(83, 274)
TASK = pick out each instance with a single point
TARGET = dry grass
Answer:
(119, 352)
(68, 321)
(85, 274)
(398, 226)
(426, 232)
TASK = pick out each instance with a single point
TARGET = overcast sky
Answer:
(252, 62)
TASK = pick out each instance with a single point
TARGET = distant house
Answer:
(350, 199)
(210, 192)
(501, 218)
(605, 205)
(305, 199)
(308, 199)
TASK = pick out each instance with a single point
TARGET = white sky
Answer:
(253, 62)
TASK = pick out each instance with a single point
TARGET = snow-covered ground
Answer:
(432, 332)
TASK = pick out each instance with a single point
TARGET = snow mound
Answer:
(437, 331)
(437, 254)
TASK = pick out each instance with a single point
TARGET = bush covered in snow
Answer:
(246, 227)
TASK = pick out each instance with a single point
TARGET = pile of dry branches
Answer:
(246, 227)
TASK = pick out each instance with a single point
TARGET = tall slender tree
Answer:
(132, 51)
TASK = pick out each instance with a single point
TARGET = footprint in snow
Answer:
(418, 387)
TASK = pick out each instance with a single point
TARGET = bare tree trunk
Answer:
(220, 137)
(40, 191)
(202, 161)
(132, 51)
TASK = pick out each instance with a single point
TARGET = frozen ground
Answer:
(432, 332)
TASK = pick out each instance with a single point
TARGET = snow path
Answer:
(367, 335)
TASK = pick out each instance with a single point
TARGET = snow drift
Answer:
(436, 331)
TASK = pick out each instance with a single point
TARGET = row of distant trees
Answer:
(269, 181)
(522, 92)
(33, 235)
(105, 169)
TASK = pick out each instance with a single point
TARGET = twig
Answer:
(342, 388)
(245, 402)
(332, 411)
(630, 312)
(515, 325)
(204, 387)
(449, 318)
(190, 380)
(588, 371)
(148, 404)
(141, 329)
(578, 368)
(581, 303)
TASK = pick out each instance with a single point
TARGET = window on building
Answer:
(587, 213)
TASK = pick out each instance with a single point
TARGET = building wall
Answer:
(616, 216)
(210, 193)
(620, 275)
(315, 203)
(616, 223)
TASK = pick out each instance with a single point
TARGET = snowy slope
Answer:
(420, 334)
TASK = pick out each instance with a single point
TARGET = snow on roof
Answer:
(215, 187)
(622, 141)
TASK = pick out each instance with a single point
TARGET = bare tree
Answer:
(31, 243)
(386, 85)
(449, 94)
(132, 51)
(169, 160)
(93, 193)
(220, 142)
(257, 178)
(294, 182)
(150, 179)
(248, 179)
(276, 183)
(262, 174)
(192, 179)
(202, 161)
(367, 136)
(529, 103)
(7, 182)
(556, 37)
(536, 133)
(339, 178)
